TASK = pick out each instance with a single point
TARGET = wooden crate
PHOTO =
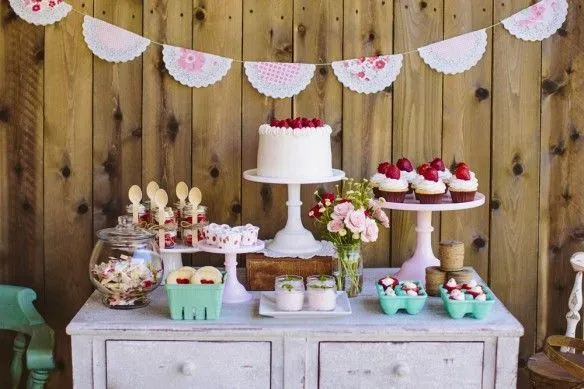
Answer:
(262, 270)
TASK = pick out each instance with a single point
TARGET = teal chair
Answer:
(17, 313)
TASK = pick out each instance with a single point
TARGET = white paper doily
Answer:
(538, 22)
(279, 80)
(368, 74)
(112, 43)
(327, 250)
(455, 55)
(194, 68)
(41, 12)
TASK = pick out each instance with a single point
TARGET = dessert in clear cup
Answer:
(125, 265)
(463, 185)
(322, 292)
(289, 292)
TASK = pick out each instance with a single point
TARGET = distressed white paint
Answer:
(293, 360)
(400, 365)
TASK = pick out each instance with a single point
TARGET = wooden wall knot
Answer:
(301, 29)
(495, 204)
(423, 4)
(322, 70)
(566, 195)
(517, 169)
(574, 134)
(200, 14)
(39, 54)
(109, 165)
(555, 249)
(371, 36)
(117, 114)
(26, 205)
(550, 86)
(137, 132)
(214, 172)
(479, 242)
(482, 94)
(65, 171)
(562, 31)
(4, 114)
(172, 128)
(82, 208)
(236, 208)
(18, 169)
(266, 193)
(558, 149)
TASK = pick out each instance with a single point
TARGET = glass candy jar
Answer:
(125, 265)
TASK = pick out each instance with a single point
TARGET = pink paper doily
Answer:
(194, 68)
(538, 22)
(279, 80)
(112, 43)
(455, 55)
(41, 12)
(368, 74)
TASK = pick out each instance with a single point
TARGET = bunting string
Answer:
(371, 74)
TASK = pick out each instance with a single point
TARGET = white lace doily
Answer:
(41, 12)
(279, 80)
(368, 74)
(112, 43)
(538, 22)
(327, 250)
(455, 55)
(194, 68)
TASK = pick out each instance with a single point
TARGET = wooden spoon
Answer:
(182, 191)
(195, 197)
(151, 189)
(135, 195)
(161, 199)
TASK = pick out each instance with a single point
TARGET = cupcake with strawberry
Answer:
(443, 173)
(463, 185)
(393, 188)
(407, 171)
(429, 187)
(378, 177)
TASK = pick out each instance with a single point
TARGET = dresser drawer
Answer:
(400, 365)
(184, 364)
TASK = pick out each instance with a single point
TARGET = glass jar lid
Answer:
(125, 232)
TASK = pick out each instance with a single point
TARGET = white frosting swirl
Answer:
(408, 176)
(458, 185)
(445, 175)
(481, 297)
(431, 187)
(391, 185)
(389, 291)
(377, 178)
(451, 283)
(266, 129)
(416, 180)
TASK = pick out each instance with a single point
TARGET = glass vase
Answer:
(348, 269)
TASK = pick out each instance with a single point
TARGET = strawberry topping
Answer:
(183, 281)
(438, 164)
(404, 164)
(298, 122)
(203, 281)
(383, 166)
(462, 173)
(393, 172)
(430, 174)
(423, 167)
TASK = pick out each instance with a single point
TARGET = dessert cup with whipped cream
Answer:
(322, 292)
(289, 293)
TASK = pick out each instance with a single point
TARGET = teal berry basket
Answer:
(411, 304)
(194, 302)
(459, 309)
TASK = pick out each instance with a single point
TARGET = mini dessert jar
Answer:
(322, 292)
(125, 265)
(289, 293)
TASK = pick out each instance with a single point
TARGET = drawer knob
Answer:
(401, 370)
(188, 368)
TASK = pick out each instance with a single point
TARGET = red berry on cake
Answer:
(305, 122)
(462, 173)
(404, 164)
(310, 124)
(450, 285)
(317, 122)
(274, 123)
(423, 167)
(297, 123)
(430, 174)
(392, 172)
(461, 164)
(438, 164)
(290, 122)
(383, 166)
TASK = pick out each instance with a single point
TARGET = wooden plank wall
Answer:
(75, 132)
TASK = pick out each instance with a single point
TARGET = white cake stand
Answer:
(415, 267)
(293, 239)
(234, 291)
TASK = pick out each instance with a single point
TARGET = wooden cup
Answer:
(451, 255)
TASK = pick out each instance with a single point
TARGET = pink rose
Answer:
(378, 214)
(341, 210)
(356, 221)
(371, 231)
(335, 225)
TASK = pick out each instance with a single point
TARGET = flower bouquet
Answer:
(347, 219)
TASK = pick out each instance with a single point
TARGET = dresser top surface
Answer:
(95, 319)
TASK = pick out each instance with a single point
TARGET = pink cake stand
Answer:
(234, 291)
(415, 267)
(294, 239)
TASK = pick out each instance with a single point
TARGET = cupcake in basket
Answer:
(407, 171)
(378, 177)
(393, 188)
(463, 185)
(430, 189)
(443, 173)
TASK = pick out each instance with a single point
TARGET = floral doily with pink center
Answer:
(327, 250)
(279, 80)
(368, 74)
(41, 12)
(538, 22)
(112, 43)
(455, 55)
(194, 68)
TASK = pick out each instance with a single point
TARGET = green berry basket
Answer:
(391, 304)
(459, 309)
(194, 302)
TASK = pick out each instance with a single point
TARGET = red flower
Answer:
(315, 212)
(380, 64)
(328, 198)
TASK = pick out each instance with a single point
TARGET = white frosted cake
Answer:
(297, 149)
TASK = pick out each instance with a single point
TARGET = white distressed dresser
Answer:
(144, 349)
